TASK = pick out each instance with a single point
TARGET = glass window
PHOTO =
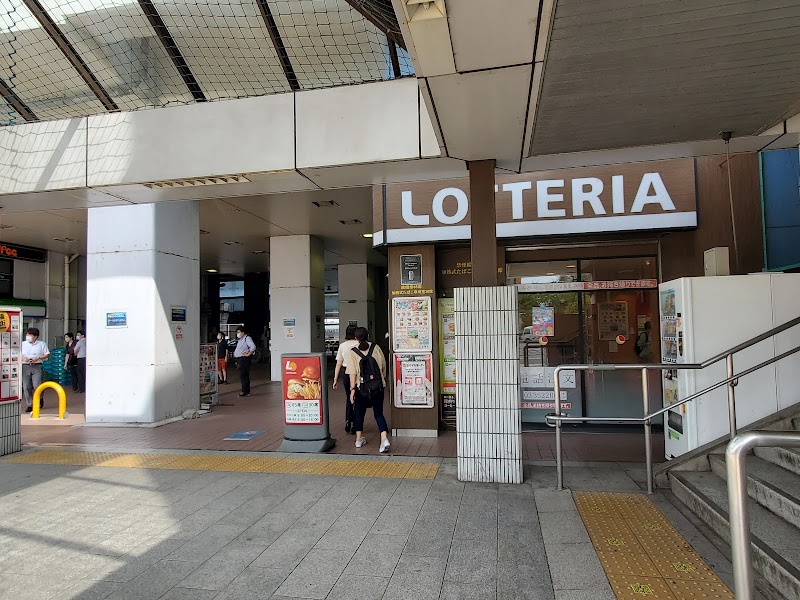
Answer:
(6, 278)
(542, 272)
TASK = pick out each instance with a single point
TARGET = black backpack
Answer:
(371, 381)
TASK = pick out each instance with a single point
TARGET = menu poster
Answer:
(612, 318)
(413, 379)
(543, 321)
(208, 369)
(412, 324)
(302, 390)
(10, 357)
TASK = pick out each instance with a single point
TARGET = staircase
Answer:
(773, 484)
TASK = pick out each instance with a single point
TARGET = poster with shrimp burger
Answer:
(302, 391)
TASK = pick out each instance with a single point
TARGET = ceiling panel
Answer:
(624, 73)
(483, 114)
(510, 25)
(388, 172)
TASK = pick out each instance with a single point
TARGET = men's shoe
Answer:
(243, 395)
(360, 442)
(385, 445)
(29, 409)
(347, 426)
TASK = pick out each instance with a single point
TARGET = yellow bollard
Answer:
(62, 399)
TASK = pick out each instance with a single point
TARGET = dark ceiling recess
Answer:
(277, 42)
(381, 14)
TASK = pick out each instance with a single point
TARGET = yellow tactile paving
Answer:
(642, 554)
(245, 464)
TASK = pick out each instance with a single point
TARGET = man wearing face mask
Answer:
(245, 348)
(34, 353)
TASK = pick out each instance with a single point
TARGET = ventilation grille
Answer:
(184, 183)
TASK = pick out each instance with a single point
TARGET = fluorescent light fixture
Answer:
(366, 235)
(211, 270)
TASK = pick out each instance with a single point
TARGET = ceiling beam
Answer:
(395, 58)
(16, 103)
(71, 55)
(388, 26)
(277, 42)
(157, 23)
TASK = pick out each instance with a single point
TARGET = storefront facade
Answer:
(586, 249)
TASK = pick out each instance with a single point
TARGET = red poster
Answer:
(302, 390)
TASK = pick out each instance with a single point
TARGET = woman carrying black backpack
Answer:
(368, 387)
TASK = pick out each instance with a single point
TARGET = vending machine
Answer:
(702, 317)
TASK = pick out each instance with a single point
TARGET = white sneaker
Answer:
(385, 445)
(360, 442)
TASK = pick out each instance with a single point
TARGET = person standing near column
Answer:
(245, 348)
(70, 360)
(342, 358)
(80, 353)
(34, 353)
(222, 358)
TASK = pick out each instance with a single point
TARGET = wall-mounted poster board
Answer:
(413, 380)
(413, 330)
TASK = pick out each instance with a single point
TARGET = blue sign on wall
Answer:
(117, 319)
(780, 175)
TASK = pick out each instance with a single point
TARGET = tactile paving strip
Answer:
(642, 553)
(244, 464)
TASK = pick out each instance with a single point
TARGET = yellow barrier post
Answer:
(62, 399)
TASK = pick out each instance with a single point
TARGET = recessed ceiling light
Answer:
(551, 273)
(366, 235)
(211, 270)
(325, 204)
(351, 222)
(571, 266)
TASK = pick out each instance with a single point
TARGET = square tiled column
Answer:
(489, 423)
(10, 440)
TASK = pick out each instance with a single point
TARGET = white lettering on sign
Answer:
(580, 195)
(408, 212)
(643, 196)
(544, 198)
(516, 190)
(438, 206)
(618, 194)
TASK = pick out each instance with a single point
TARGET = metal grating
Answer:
(156, 53)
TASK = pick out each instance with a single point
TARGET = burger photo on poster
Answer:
(295, 389)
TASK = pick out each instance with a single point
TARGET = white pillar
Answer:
(297, 297)
(143, 260)
(489, 423)
(356, 297)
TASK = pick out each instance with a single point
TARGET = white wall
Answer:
(383, 121)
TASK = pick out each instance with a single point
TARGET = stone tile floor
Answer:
(108, 533)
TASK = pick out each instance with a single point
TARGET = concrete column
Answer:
(297, 299)
(484, 223)
(143, 260)
(357, 298)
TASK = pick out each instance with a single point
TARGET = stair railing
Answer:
(736, 467)
(556, 419)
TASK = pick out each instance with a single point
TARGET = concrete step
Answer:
(775, 543)
(787, 458)
(774, 488)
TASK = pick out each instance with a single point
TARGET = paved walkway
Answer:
(106, 532)
(262, 411)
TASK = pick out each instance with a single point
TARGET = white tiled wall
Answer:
(487, 371)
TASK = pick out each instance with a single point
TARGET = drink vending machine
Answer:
(702, 317)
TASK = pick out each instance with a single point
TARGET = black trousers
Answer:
(243, 366)
(348, 407)
(73, 371)
(81, 375)
(360, 410)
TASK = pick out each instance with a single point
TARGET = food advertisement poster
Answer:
(413, 331)
(413, 379)
(612, 320)
(447, 346)
(302, 391)
(10, 357)
(208, 369)
(543, 321)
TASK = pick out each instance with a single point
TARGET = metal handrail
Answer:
(736, 467)
(732, 379)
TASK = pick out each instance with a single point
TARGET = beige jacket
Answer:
(354, 364)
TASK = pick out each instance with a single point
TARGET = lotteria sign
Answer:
(628, 197)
